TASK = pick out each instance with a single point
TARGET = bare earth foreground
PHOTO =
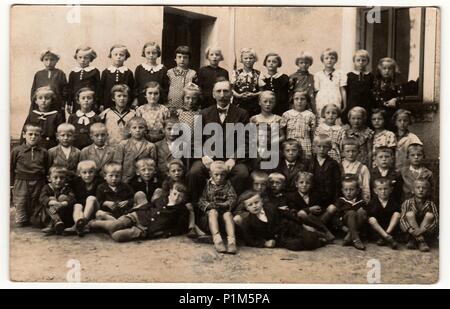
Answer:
(34, 258)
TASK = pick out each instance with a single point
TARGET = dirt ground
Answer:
(35, 258)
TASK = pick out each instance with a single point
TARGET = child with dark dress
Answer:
(44, 116)
(383, 212)
(51, 77)
(115, 74)
(29, 165)
(86, 205)
(420, 217)
(302, 80)
(359, 84)
(387, 93)
(208, 75)
(265, 227)
(165, 217)
(245, 83)
(150, 71)
(56, 201)
(83, 76)
(276, 82)
(84, 117)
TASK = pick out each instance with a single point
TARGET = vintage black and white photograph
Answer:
(224, 144)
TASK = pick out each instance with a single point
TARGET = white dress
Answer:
(328, 88)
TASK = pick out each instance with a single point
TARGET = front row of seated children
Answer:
(94, 196)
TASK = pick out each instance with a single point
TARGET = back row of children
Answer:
(358, 88)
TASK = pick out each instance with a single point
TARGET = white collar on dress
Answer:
(87, 69)
(276, 75)
(44, 113)
(121, 69)
(357, 73)
(90, 114)
(152, 69)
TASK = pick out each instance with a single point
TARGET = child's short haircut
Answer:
(48, 52)
(400, 112)
(152, 84)
(120, 88)
(86, 165)
(304, 94)
(356, 110)
(218, 166)
(154, 45)
(137, 120)
(259, 175)
(379, 111)
(251, 51)
(305, 175)
(97, 126)
(86, 50)
(112, 167)
(323, 139)
(415, 146)
(328, 106)
(214, 48)
(65, 127)
(350, 178)
(184, 50)
(280, 62)
(391, 63)
(350, 141)
(175, 162)
(57, 169)
(246, 196)
(277, 176)
(145, 162)
(423, 180)
(382, 181)
(178, 186)
(306, 56)
(46, 90)
(266, 92)
(361, 53)
(329, 51)
(35, 126)
(122, 47)
(84, 89)
(170, 120)
(290, 142)
(384, 149)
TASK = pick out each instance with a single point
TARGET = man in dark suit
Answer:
(222, 113)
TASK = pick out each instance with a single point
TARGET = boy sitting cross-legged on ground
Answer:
(166, 216)
(419, 217)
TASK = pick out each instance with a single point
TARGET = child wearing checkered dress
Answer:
(187, 115)
(359, 131)
(153, 112)
(301, 123)
(179, 77)
(381, 137)
(334, 131)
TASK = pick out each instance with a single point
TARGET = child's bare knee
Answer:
(237, 220)
(213, 213)
(331, 209)
(302, 214)
(429, 216)
(91, 199)
(410, 215)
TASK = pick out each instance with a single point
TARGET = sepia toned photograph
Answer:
(224, 144)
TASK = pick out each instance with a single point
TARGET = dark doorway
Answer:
(180, 30)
